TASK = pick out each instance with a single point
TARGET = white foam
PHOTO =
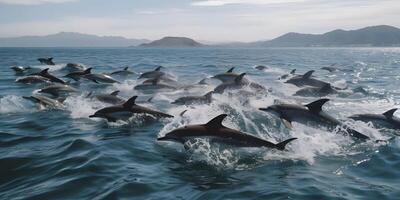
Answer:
(14, 104)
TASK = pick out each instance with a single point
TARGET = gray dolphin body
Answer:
(219, 132)
(45, 73)
(76, 75)
(201, 84)
(310, 114)
(227, 77)
(59, 90)
(385, 120)
(189, 100)
(285, 76)
(329, 69)
(33, 79)
(45, 101)
(47, 61)
(100, 78)
(123, 72)
(306, 80)
(261, 67)
(156, 73)
(126, 110)
(20, 69)
(73, 67)
(315, 91)
(238, 84)
(111, 98)
(155, 84)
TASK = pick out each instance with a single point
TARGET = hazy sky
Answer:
(210, 20)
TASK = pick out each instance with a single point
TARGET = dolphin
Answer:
(58, 90)
(385, 119)
(20, 69)
(310, 114)
(100, 78)
(314, 91)
(227, 77)
(216, 130)
(202, 83)
(45, 101)
(154, 85)
(73, 67)
(155, 74)
(237, 84)
(126, 110)
(306, 80)
(123, 72)
(45, 73)
(162, 78)
(188, 100)
(285, 76)
(32, 79)
(111, 98)
(76, 75)
(47, 61)
(329, 69)
(261, 67)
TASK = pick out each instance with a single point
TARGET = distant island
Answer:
(173, 42)
(373, 36)
(69, 39)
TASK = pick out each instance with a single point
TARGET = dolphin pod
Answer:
(221, 133)
(157, 80)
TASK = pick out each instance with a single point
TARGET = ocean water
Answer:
(64, 154)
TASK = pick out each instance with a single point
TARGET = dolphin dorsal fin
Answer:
(389, 113)
(308, 74)
(45, 71)
(209, 94)
(88, 70)
(50, 59)
(130, 102)
(126, 68)
(158, 68)
(149, 99)
(239, 78)
(115, 93)
(89, 94)
(202, 82)
(216, 122)
(316, 106)
(293, 71)
(230, 70)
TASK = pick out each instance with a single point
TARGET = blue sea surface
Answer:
(63, 154)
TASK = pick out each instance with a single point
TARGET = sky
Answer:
(203, 20)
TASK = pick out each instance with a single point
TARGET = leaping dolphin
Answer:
(111, 98)
(315, 91)
(310, 114)
(45, 101)
(59, 90)
(45, 73)
(126, 110)
(239, 83)
(32, 79)
(306, 80)
(47, 61)
(123, 72)
(227, 77)
(100, 78)
(76, 75)
(386, 119)
(216, 130)
(189, 100)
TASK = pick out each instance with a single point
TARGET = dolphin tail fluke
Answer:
(281, 145)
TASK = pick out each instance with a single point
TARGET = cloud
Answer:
(33, 2)
(227, 2)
